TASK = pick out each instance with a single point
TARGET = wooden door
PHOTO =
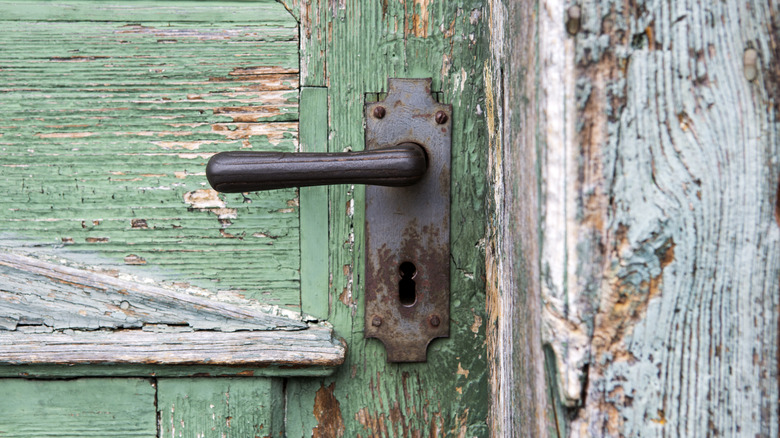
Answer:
(176, 311)
(650, 305)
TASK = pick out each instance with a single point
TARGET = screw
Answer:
(379, 112)
(750, 61)
(376, 321)
(441, 117)
(573, 16)
(434, 320)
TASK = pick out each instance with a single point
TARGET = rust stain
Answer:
(435, 430)
(96, 239)
(418, 23)
(623, 306)
(650, 32)
(327, 411)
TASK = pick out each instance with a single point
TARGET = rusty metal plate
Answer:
(408, 228)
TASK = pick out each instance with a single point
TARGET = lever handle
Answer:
(247, 171)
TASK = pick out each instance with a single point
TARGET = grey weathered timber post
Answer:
(634, 268)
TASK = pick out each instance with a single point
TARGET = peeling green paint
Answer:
(110, 113)
(363, 44)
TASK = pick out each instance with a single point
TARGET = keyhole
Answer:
(407, 290)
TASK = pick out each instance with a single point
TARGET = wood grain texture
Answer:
(78, 408)
(313, 42)
(52, 296)
(110, 112)
(214, 407)
(358, 45)
(60, 315)
(665, 310)
(168, 346)
(518, 392)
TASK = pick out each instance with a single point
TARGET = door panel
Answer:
(110, 113)
(214, 407)
(351, 48)
(162, 221)
(78, 408)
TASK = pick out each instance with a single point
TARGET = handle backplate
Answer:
(408, 228)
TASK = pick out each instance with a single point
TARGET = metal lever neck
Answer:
(247, 171)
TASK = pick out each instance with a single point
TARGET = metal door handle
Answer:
(247, 171)
(407, 229)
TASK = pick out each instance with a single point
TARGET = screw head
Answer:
(379, 112)
(574, 15)
(750, 62)
(434, 320)
(376, 321)
(441, 117)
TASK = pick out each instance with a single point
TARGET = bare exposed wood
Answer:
(313, 347)
(60, 315)
(518, 398)
(57, 297)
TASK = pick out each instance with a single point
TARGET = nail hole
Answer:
(407, 289)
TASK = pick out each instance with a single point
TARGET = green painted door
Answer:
(173, 310)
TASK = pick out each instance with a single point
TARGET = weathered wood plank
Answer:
(78, 408)
(661, 249)
(46, 308)
(314, 37)
(364, 43)
(256, 12)
(237, 407)
(519, 400)
(293, 7)
(165, 345)
(58, 297)
(314, 207)
(107, 125)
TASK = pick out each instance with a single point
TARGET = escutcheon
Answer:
(407, 302)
